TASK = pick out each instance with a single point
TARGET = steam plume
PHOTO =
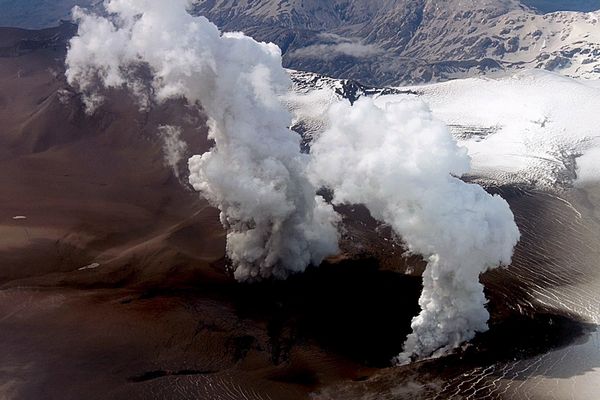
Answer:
(403, 165)
(174, 147)
(255, 174)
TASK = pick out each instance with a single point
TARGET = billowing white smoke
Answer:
(393, 157)
(255, 174)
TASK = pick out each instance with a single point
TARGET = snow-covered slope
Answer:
(566, 42)
(534, 127)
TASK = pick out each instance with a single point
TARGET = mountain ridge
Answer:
(387, 42)
(395, 42)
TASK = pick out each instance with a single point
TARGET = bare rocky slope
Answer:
(386, 42)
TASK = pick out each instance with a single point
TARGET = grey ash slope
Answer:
(382, 42)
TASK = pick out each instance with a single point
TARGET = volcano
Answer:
(115, 283)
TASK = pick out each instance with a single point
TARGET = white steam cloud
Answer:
(255, 174)
(174, 147)
(393, 157)
(333, 45)
(329, 51)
